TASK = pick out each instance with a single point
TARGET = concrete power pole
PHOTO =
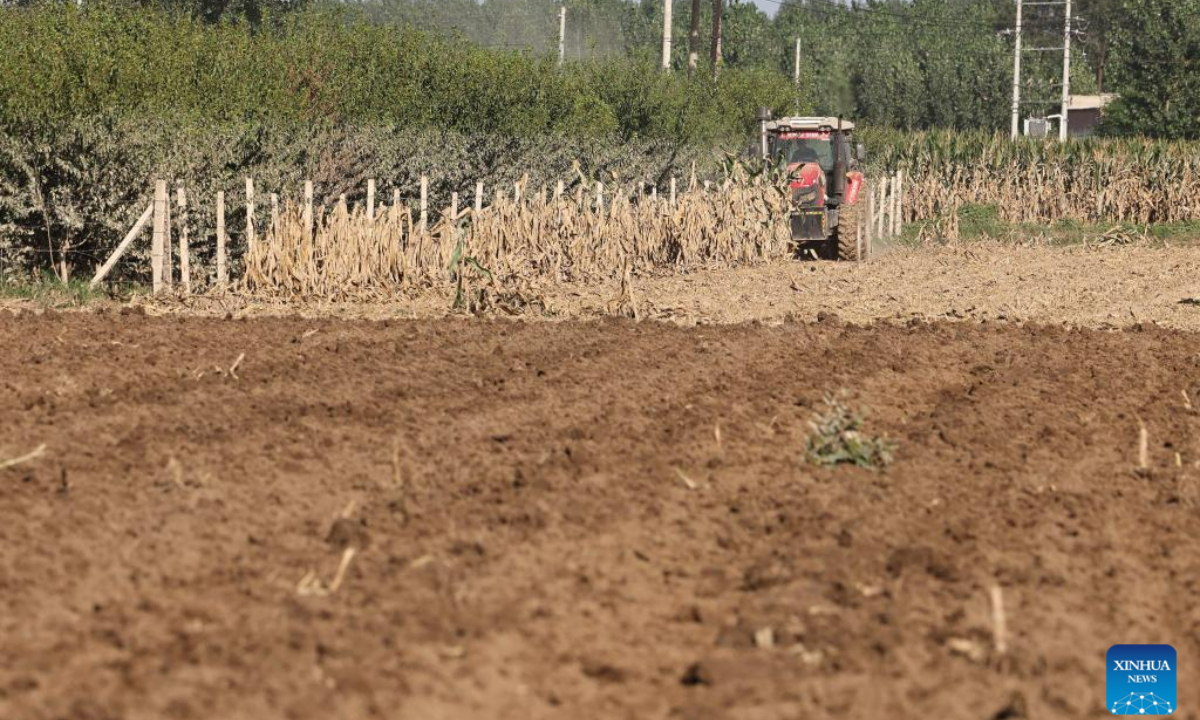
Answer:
(562, 35)
(1016, 94)
(716, 37)
(796, 64)
(668, 6)
(1066, 81)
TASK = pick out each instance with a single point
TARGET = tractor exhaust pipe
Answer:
(837, 181)
(764, 116)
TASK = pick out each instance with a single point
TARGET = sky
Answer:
(767, 6)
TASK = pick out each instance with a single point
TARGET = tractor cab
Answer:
(797, 141)
(803, 143)
(821, 166)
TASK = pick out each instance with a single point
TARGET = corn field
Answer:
(588, 235)
(1133, 181)
(594, 233)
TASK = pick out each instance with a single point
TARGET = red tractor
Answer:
(824, 180)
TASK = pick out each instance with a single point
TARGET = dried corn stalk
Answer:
(529, 237)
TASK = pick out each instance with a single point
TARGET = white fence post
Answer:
(424, 203)
(250, 235)
(185, 261)
(160, 235)
(308, 210)
(222, 271)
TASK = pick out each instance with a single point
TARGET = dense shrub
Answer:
(62, 62)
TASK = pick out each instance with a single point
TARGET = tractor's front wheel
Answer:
(848, 241)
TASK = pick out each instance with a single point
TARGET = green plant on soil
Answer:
(977, 220)
(837, 438)
(466, 295)
(983, 222)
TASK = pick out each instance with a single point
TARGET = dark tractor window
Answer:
(795, 151)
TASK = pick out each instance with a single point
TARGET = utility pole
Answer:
(694, 39)
(716, 37)
(562, 35)
(796, 63)
(1066, 81)
(1016, 94)
(668, 6)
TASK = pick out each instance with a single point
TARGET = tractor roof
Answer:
(807, 123)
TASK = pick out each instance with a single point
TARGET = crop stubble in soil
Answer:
(585, 520)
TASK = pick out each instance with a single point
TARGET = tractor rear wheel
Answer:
(847, 241)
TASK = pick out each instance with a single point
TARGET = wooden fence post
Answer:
(168, 277)
(185, 261)
(895, 203)
(478, 198)
(673, 183)
(891, 193)
(881, 208)
(308, 210)
(870, 220)
(250, 238)
(109, 264)
(222, 270)
(600, 198)
(887, 215)
(891, 206)
(371, 199)
(453, 207)
(558, 190)
(160, 235)
(899, 203)
(424, 203)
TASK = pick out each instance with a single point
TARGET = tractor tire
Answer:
(846, 242)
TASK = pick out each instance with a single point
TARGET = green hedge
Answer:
(332, 66)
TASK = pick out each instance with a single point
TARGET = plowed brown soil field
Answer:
(1092, 286)
(600, 519)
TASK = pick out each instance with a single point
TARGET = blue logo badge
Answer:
(1141, 680)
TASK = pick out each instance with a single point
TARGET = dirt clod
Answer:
(697, 673)
(348, 533)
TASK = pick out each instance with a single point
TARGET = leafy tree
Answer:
(890, 84)
(1156, 69)
(899, 63)
(1097, 20)
(749, 39)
